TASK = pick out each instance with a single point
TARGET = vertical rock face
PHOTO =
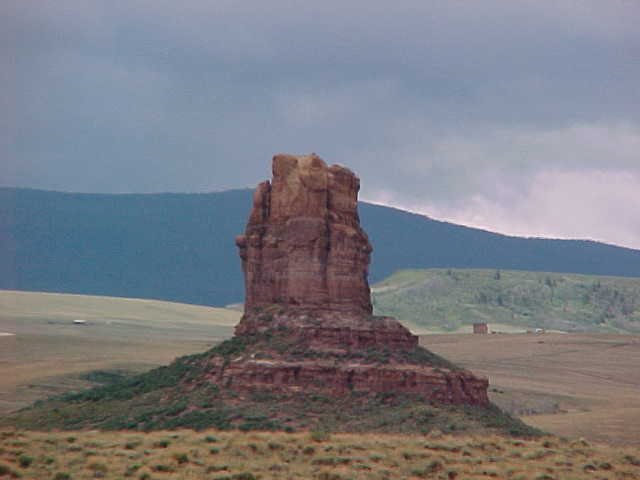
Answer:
(308, 315)
(303, 248)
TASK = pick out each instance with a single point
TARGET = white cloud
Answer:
(576, 182)
(593, 204)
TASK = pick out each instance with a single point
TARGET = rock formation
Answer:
(308, 314)
(303, 248)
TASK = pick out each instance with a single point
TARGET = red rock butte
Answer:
(303, 247)
(305, 260)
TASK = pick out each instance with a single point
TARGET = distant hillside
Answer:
(180, 247)
(448, 299)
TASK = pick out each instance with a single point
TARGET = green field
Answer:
(48, 354)
(449, 300)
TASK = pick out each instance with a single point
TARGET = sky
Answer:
(517, 117)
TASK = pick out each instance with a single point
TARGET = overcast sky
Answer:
(515, 116)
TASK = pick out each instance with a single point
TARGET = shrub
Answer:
(258, 422)
(62, 476)
(538, 455)
(429, 470)
(329, 476)
(176, 408)
(231, 347)
(162, 468)
(132, 469)
(319, 436)
(105, 376)
(181, 458)
(196, 419)
(635, 461)
(331, 461)
(210, 439)
(25, 461)
(237, 476)
(7, 470)
(99, 469)
(161, 444)
(217, 468)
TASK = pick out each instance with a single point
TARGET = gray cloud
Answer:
(462, 110)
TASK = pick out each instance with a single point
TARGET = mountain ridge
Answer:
(486, 230)
(180, 246)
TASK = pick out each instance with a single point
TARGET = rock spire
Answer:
(303, 248)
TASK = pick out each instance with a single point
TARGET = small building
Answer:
(481, 328)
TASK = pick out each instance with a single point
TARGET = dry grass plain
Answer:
(216, 455)
(576, 385)
(48, 353)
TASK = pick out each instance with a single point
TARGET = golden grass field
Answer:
(216, 455)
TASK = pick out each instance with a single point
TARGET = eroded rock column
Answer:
(303, 247)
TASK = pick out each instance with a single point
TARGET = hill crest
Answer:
(145, 245)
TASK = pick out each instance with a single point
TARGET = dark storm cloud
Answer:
(465, 110)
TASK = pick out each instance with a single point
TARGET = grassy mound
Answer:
(179, 396)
